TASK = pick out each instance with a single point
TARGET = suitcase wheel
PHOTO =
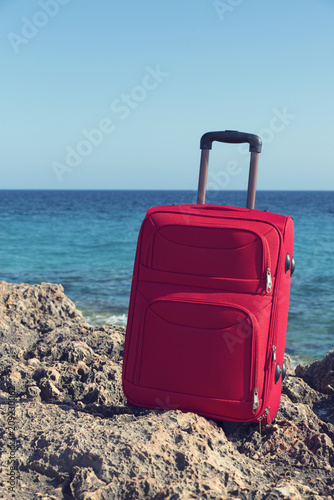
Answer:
(293, 266)
(290, 264)
(283, 371)
(278, 372)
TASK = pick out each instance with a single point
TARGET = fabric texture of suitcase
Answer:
(208, 311)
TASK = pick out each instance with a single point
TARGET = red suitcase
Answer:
(209, 305)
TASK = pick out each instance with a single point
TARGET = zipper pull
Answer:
(269, 282)
(266, 414)
(255, 400)
(274, 354)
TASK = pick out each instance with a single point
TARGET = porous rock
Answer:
(76, 437)
(320, 374)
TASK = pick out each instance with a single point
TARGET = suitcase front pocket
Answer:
(198, 348)
(226, 252)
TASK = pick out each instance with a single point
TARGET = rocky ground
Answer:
(66, 422)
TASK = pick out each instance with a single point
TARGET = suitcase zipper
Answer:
(272, 337)
(269, 284)
(266, 414)
(255, 400)
(266, 263)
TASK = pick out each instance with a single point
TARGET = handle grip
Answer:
(233, 137)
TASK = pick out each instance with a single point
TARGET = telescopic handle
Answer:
(234, 137)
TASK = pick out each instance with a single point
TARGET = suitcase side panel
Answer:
(130, 335)
(281, 321)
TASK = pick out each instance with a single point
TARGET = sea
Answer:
(86, 241)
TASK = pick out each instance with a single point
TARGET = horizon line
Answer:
(161, 189)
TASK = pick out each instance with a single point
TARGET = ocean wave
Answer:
(103, 318)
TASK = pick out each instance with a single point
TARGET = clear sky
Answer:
(112, 94)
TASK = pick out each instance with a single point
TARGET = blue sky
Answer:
(116, 95)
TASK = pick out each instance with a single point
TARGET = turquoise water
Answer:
(86, 240)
